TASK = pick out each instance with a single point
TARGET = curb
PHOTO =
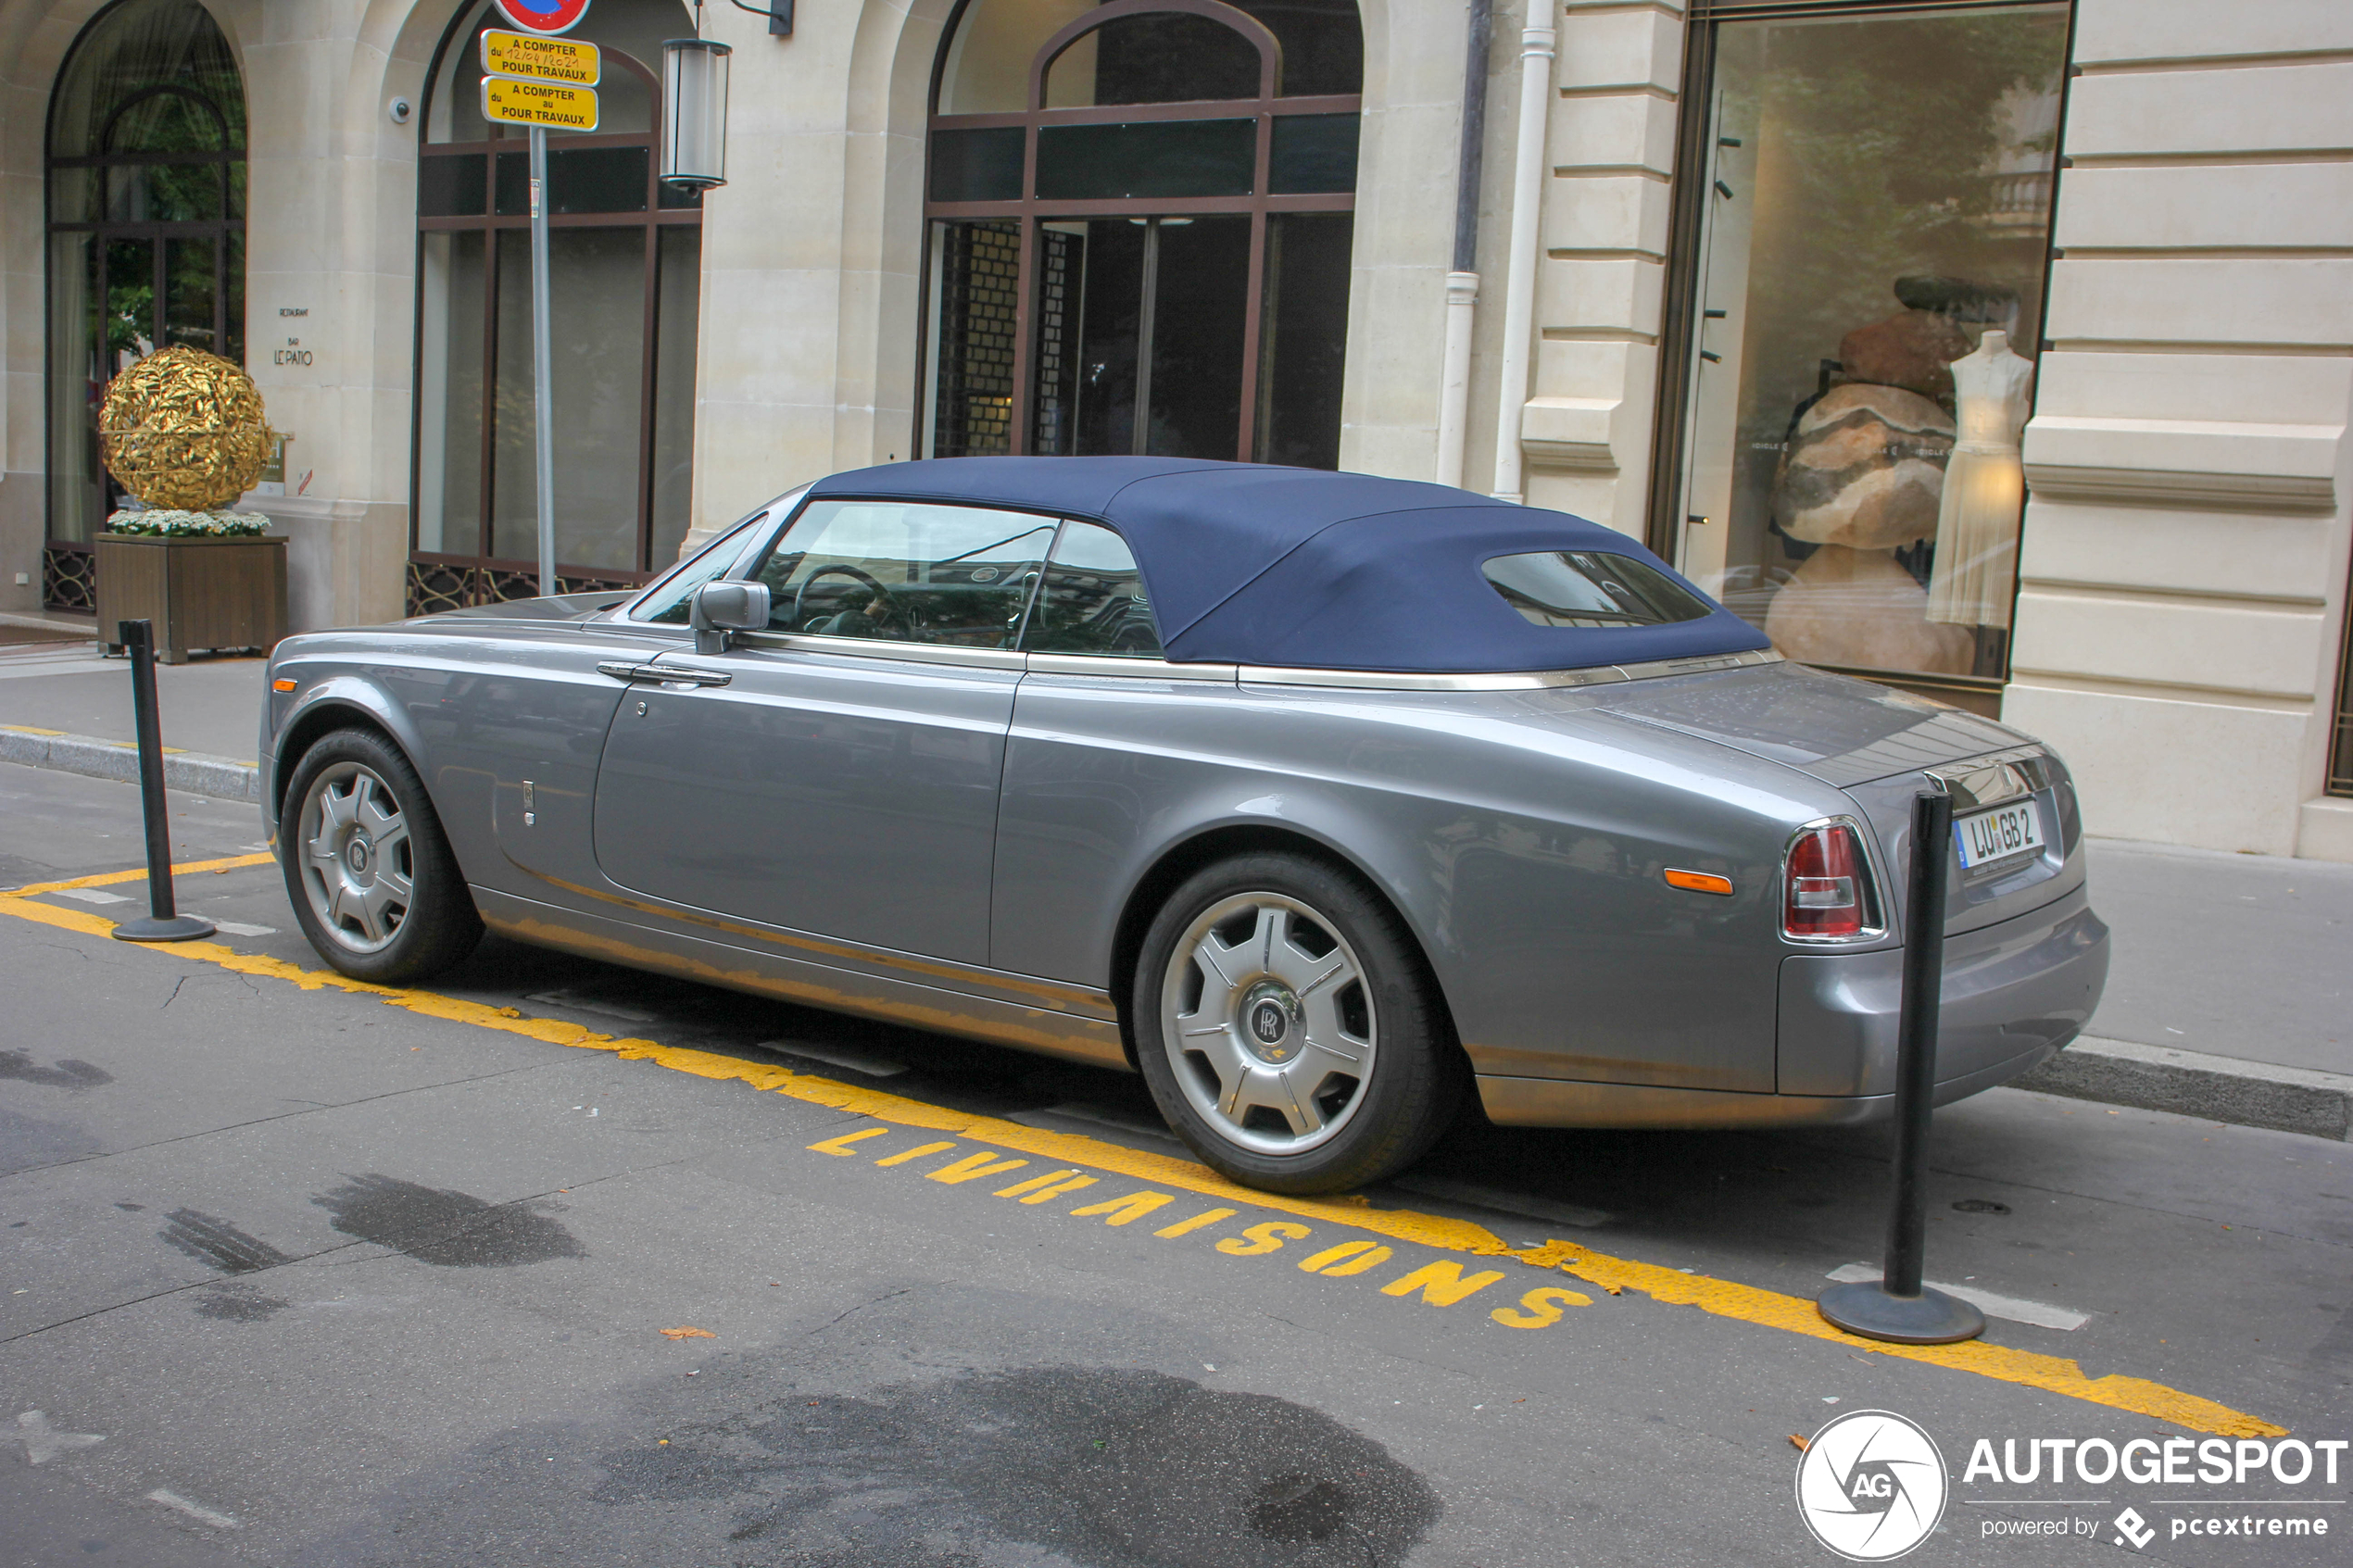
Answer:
(216, 777)
(2213, 1088)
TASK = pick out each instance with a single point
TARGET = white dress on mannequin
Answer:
(1976, 519)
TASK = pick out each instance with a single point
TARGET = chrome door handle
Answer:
(622, 671)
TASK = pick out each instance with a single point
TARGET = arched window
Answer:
(146, 234)
(626, 258)
(1140, 221)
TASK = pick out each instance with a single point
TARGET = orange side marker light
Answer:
(1698, 882)
(281, 684)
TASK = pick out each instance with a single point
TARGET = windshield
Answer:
(665, 602)
(1592, 588)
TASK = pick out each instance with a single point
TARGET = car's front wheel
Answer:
(367, 866)
(1287, 1029)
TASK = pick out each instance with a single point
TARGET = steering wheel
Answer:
(891, 608)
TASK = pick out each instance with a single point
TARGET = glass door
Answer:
(1141, 223)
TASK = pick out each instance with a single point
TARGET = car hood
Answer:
(1841, 730)
(559, 606)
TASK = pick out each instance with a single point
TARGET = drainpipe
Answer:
(1461, 284)
(1520, 284)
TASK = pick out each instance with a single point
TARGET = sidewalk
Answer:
(212, 705)
(2227, 998)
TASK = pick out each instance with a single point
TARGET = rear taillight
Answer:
(1827, 889)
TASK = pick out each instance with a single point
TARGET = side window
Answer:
(906, 571)
(1093, 599)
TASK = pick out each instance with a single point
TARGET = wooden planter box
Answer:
(200, 593)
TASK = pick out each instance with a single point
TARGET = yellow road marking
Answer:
(916, 1153)
(1442, 1284)
(1725, 1298)
(1206, 1217)
(971, 1167)
(1331, 1254)
(1135, 1205)
(1540, 1308)
(108, 878)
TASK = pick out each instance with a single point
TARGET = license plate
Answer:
(1998, 834)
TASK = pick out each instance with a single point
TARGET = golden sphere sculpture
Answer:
(182, 430)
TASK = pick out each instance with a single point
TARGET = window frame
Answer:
(452, 579)
(1030, 211)
(1679, 320)
(68, 565)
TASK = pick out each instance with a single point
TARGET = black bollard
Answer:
(163, 923)
(1897, 1308)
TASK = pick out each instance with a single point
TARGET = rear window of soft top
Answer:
(1592, 588)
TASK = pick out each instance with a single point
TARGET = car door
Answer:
(837, 774)
(1098, 749)
(514, 724)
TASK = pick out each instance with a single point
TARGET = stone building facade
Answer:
(2002, 353)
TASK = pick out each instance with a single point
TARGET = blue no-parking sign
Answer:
(544, 16)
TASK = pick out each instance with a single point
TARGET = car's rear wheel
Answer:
(368, 868)
(1289, 1029)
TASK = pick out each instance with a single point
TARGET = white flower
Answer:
(188, 525)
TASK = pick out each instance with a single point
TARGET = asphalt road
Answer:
(557, 1263)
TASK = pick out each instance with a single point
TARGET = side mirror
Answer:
(720, 608)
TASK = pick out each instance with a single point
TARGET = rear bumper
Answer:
(2013, 994)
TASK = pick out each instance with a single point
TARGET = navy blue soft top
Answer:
(1250, 564)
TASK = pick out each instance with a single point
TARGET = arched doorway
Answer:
(1140, 218)
(146, 235)
(625, 264)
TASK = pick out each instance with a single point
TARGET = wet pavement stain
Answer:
(66, 1075)
(453, 1230)
(215, 1241)
(1104, 1467)
(228, 1303)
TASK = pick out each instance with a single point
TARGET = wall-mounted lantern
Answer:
(694, 130)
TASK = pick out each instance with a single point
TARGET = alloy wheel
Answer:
(1268, 1024)
(357, 865)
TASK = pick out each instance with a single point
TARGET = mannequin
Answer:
(1862, 478)
(1977, 519)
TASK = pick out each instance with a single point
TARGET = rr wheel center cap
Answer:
(1270, 1021)
(358, 855)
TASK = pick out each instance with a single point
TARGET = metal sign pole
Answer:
(543, 376)
(164, 922)
(1899, 1307)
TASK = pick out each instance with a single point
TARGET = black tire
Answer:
(1267, 1095)
(377, 892)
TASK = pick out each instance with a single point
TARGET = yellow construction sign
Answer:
(543, 59)
(538, 103)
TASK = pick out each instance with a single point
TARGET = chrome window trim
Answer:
(1140, 669)
(1513, 681)
(1876, 924)
(878, 648)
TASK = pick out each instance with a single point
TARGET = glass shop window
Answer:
(625, 276)
(1870, 264)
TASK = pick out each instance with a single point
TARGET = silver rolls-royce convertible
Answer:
(1321, 800)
